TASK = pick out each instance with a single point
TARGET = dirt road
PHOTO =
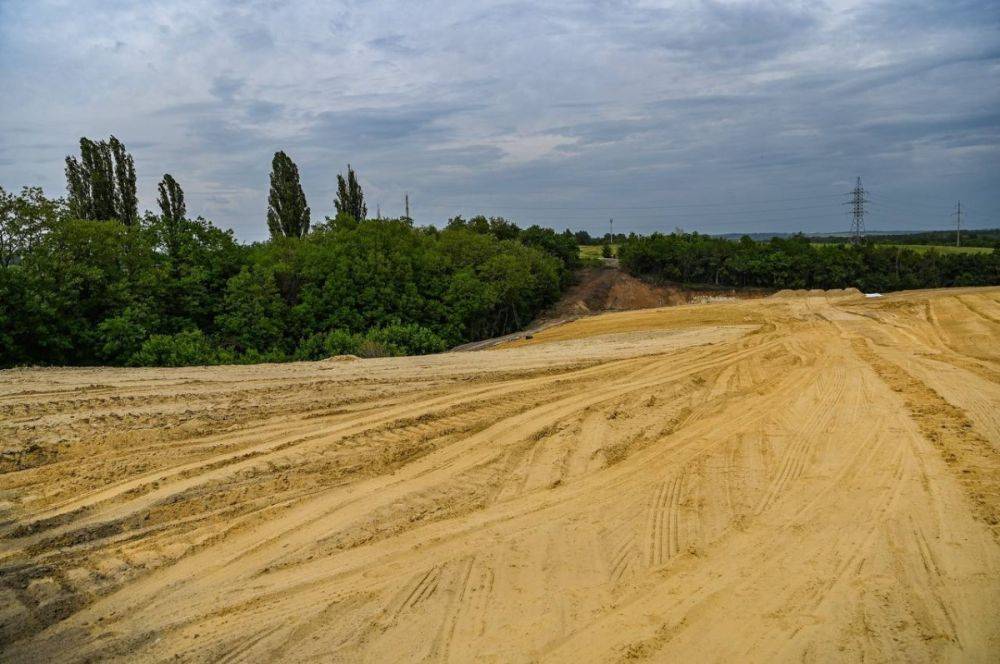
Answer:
(807, 478)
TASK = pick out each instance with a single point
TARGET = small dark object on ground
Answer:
(529, 336)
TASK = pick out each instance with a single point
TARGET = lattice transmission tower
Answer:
(858, 200)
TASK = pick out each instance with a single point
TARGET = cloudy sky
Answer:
(718, 116)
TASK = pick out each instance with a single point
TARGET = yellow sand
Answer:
(813, 477)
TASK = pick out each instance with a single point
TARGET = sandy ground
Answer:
(811, 477)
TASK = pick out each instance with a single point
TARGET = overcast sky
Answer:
(711, 116)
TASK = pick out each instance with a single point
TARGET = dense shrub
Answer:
(177, 350)
(408, 339)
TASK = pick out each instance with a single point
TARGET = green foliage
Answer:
(287, 212)
(171, 199)
(190, 347)
(17, 319)
(168, 290)
(172, 212)
(973, 237)
(101, 183)
(394, 339)
(596, 251)
(796, 263)
(350, 199)
(253, 313)
(940, 248)
(408, 339)
(340, 342)
(193, 262)
(171, 290)
(562, 246)
(126, 202)
(24, 220)
(123, 335)
(78, 275)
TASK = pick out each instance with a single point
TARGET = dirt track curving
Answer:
(813, 477)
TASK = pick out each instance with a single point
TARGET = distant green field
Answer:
(594, 250)
(943, 248)
(940, 248)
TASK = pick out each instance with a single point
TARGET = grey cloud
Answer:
(515, 107)
(225, 87)
(378, 126)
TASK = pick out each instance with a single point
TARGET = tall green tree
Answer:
(101, 183)
(287, 212)
(126, 201)
(90, 181)
(350, 199)
(172, 211)
(24, 220)
(171, 199)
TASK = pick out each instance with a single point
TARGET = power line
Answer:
(907, 207)
(709, 213)
(718, 214)
(666, 206)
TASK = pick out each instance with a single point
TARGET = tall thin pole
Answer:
(406, 203)
(958, 225)
(612, 223)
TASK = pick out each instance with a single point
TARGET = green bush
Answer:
(409, 339)
(372, 348)
(189, 347)
(123, 335)
(341, 342)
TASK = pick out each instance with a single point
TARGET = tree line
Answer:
(87, 280)
(976, 237)
(796, 262)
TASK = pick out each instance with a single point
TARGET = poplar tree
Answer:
(101, 183)
(350, 199)
(126, 201)
(172, 208)
(171, 200)
(287, 212)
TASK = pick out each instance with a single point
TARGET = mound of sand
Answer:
(787, 293)
(341, 358)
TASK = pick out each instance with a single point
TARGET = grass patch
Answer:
(594, 250)
(923, 248)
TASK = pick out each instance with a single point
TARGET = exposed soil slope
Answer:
(610, 289)
(805, 478)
